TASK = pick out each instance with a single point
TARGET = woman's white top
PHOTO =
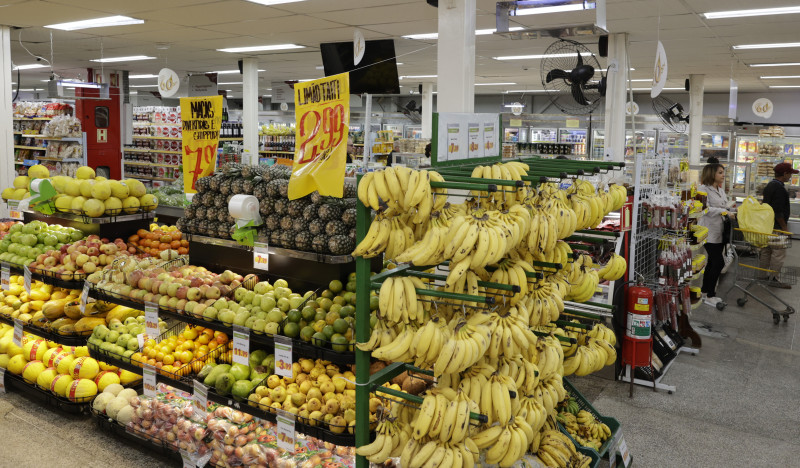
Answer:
(718, 203)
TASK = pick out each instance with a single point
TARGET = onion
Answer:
(241, 440)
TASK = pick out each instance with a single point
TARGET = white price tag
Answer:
(241, 345)
(200, 400)
(286, 434)
(85, 296)
(2, 380)
(151, 320)
(14, 212)
(612, 453)
(27, 276)
(140, 339)
(283, 356)
(623, 451)
(149, 380)
(5, 276)
(17, 338)
(261, 256)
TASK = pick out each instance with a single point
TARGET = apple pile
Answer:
(5, 226)
(25, 242)
(75, 261)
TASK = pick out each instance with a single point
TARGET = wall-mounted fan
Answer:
(572, 78)
(671, 114)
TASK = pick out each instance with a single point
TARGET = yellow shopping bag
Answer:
(758, 217)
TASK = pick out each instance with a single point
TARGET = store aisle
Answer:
(34, 435)
(736, 401)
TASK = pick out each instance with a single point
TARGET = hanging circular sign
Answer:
(516, 108)
(632, 108)
(763, 107)
(168, 82)
(284, 106)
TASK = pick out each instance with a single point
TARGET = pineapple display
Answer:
(310, 212)
(286, 223)
(329, 212)
(279, 207)
(273, 222)
(275, 239)
(320, 244)
(295, 208)
(335, 228)
(299, 224)
(341, 245)
(316, 227)
(287, 239)
(349, 217)
(303, 240)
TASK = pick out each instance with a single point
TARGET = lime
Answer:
(291, 329)
(340, 326)
(339, 300)
(373, 320)
(351, 277)
(351, 286)
(294, 315)
(319, 325)
(319, 339)
(339, 343)
(349, 297)
(373, 303)
(328, 331)
(327, 294)
(325, 303)
(335, 286)
(331, 317)
(275, 316)
(347, 311)
(308, 313)
(306, 333)
(335, 308)
(319, 314)
(313, 304)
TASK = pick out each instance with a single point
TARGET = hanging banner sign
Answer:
(322, 113)
(203, 85)
(202, 118)
(660, 70)
(762, 107)
(168, 82)
(632, 108)
(733, 99)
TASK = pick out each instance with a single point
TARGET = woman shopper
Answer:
(712, 180)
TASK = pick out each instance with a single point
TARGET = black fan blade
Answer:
(601, 87)
(666, 117)
(577, 94)
(580, 60)
(581, 74)
(556, 74)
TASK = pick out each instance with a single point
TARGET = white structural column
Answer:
(696, 88)
(616, 97)
(6, 123)
(250, 108)
(456, 55)
(427, 109)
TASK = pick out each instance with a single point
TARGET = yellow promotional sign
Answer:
(201, 119)
(322, 113)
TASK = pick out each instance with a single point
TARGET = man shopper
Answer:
(776, 196)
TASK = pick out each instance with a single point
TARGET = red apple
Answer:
(155, 286)
(180, 293)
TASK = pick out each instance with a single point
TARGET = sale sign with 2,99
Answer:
(322, 113)
(202, 118)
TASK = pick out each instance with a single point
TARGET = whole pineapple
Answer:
(329, 212)
(303, 240)
(341, 245)
(275, 239)
(349, 217)
(280, 206)
(350, 190)
(273, 222)
(287, 222)
(335, 228)
(295, 207)
(320, 244)
(299, 224)
(316, 227)
(310, 212)
(287, 239)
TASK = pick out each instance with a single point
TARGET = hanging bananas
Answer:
(614, 269)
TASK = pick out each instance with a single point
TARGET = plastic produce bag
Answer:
(758, 217)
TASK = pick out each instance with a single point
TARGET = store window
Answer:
(101, 117)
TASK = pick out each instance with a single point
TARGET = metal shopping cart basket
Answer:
(748, 248)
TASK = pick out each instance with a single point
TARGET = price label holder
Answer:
(200, 399)
(261, 256)
(84, 296)
(14, 212)
(241, 345)
(151, 320)
(622, 448)
(27, 276)
(2, 380)
(283, 356)
(17, 338)
(149, 380)
(5, 276)
(286, 434)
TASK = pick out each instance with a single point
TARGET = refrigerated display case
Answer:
(413, 131)
(515, 135)
(543, 135)
(764, 153)
(716, 144)
(673, 145)
(645, 142)
(598, 145)
(575, 137)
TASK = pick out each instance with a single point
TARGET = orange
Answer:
(203, 339)
(159, 357)
(168, 359)
(137, 358)
(150, 353)
(186, 356)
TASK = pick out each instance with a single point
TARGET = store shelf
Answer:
(146, 150)
(231, 139)
(69, 340)
(110, 426)
(34, 148)
(276, 152)
(64, 139)
(77, 160)
(148, 137)
(129, 176)
(299, 254)
(89, 220)
(33, 118)
(46, 397)
(139, 163)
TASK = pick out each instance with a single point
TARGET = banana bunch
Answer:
(400, 348)
(401, 237)
(614, 269)
(434, 453)
(583, 280)
(591, 357)
(569, 405)
(506, 443)
(545, 302)
(601, 331)
(558, 205)
(429, 248)
(398, 301)
(482, 237)
(467, 284)
(556, 450)
(388, 442)
(532, 410)
(396, 190)
(550, 359)
(505, 195)
(561, 253)
(382, 335)
(377, 238)
(585, 429)
(524, 372)
(511, 272)
(619, 195)
(444, 419)
(428, 341)
(510, 334)
(468, 344)
(550, 392)
(543, 233)
(496, 401)
(472, 381)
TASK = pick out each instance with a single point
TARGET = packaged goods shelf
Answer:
(147, 150)
(34, 148)
(139, 163)
(148, 137)
(33, 118)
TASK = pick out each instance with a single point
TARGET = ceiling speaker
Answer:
(602, 46)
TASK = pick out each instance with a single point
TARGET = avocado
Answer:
(225, 383)
(211, 378)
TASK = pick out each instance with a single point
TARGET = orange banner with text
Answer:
(322, 115)
(201, 119)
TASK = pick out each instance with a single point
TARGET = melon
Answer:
(81, 390)
(16, 364)
(64, 203)
(113, 389)
(8, 193)
(127, 394)
(72, 187)
(64, 363)
(38, 172)
(77, 203)
(127, 377)
(60, 384)
(86, 188)
(119, 189)
(84, 368)
(101, 190)
(106, 378)
(94, 207)
(50, 356)
(46, 378)
(4, 342)
(4, 358)
(114, 406)
(59, 183)
(13, 349)
(113, 206)
(34, 350)
(101, 401)
(22, 182)
(79, 351)
(136, 187)
(130, 205)
(148, 202)
(85, 172)
(31, 371)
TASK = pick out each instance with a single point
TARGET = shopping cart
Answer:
(748, 247)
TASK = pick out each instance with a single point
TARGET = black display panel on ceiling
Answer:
(375, 74)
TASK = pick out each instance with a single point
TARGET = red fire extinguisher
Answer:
(637, 343)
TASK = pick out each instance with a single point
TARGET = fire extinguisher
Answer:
(640, 312)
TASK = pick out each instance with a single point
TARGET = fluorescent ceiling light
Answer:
(136, 77)
(131, 58)
(29, 89)
(665, 89)
(642, 80)
(777, 86)
(524, 91)
(28, 67)
(777, 45)
(536, 56)
(230, 83)
(96, 23)
(785, 64)
(274, 2)
(753, 12)
(134, 92)
(411, 77)
(778, 77)
(515, 105)
(478, 32)
(494, 84)
(549, 9)
(606, 69)
(267, 95)
(145, 86)
(263, 48)
(74, 84)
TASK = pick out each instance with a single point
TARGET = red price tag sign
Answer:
(322, 113)
(201, 121)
